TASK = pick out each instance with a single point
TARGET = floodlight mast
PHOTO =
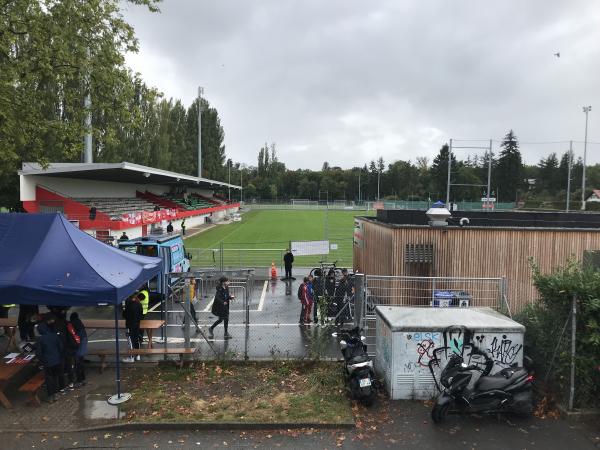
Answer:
(586, 110)
(200, 94)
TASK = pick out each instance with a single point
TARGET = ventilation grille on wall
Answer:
(403, 379)
(418, 253)
(425, 378)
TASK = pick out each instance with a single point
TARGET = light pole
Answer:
(570, 166)
(359, 171)
(229, 187)
(241, 186)
(378, 175)
(586, 110)
(200, 93)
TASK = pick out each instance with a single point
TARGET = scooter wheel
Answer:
(439, 413)
(368, 401)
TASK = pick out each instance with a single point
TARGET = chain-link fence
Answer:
(427, 292)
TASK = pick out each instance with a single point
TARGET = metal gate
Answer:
(426, 292)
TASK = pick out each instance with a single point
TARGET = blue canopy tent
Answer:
(46, 260)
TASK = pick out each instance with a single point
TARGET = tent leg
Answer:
(120, 397)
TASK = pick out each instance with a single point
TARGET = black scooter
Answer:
(469, 388)
(359, 375)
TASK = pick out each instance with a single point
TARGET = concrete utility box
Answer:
(407, 339)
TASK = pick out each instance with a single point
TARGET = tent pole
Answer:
(117, 352)
(119, 397)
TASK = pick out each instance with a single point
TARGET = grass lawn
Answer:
(262, 392)
(263, 235)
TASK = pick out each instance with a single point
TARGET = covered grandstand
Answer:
(105, 199)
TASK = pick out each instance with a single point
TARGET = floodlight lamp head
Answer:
(587, 109)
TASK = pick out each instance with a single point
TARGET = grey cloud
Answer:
(348, 81)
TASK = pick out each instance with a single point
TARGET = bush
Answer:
(545, 322)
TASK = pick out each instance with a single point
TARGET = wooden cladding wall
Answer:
(475, 252)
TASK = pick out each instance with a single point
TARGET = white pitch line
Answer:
(262, 296)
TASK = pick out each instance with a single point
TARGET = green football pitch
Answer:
(263, 235)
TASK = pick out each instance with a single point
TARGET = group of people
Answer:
(61, 344)
(61, 349)
(318, 294)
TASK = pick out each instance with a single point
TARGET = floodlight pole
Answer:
(449, 169)
(489, 174)
(229, 182)
(586, 110)
(378, 176)
(87, 105)
(359, 171)
(200, 93)
(570, 165)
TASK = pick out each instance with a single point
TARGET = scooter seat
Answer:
(359, 359)
(497, 381)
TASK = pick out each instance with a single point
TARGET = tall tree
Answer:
(51, 54)
(508, 174)
(439, 173)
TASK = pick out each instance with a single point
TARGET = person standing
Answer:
(310, 299)
(170, 227)
(183, 227)
(220, 307)
(343, 294)
(49, 351)
(303, 297)
(319, 290)
(288, 260)
(26, 320)
(133, 317)
(124, 237)
(81, 349)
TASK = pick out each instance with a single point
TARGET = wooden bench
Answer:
(102, 354)
(32, 387)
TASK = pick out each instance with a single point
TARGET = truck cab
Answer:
(169, 248)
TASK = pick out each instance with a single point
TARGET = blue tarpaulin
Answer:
(46, 260)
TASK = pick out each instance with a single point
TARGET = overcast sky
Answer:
(347, 81)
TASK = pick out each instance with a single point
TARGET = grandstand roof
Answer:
(120, 172)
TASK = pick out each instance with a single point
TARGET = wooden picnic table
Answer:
(7, 373)
(103, 324)
(99, 324)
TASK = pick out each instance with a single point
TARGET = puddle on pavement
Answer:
(96, 407)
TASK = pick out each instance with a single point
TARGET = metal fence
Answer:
(427, 292)
(263, 254)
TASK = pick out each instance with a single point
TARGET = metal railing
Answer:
(450, 292)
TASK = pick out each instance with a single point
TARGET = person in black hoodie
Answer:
(26, 321)
(81, 349)
(133, 316)
(49, 351)
(220, 307)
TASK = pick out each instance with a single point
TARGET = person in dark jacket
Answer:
(170, 227)
(319, 292)
(133, 317)
(343, 294)
(26, 321)
(49, 351)
(81, 349)
(220, 307)
(288, 260)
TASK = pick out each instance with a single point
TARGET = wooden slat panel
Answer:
(476, 252)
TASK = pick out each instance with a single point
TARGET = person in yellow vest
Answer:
(4, 315)
(144, 297)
